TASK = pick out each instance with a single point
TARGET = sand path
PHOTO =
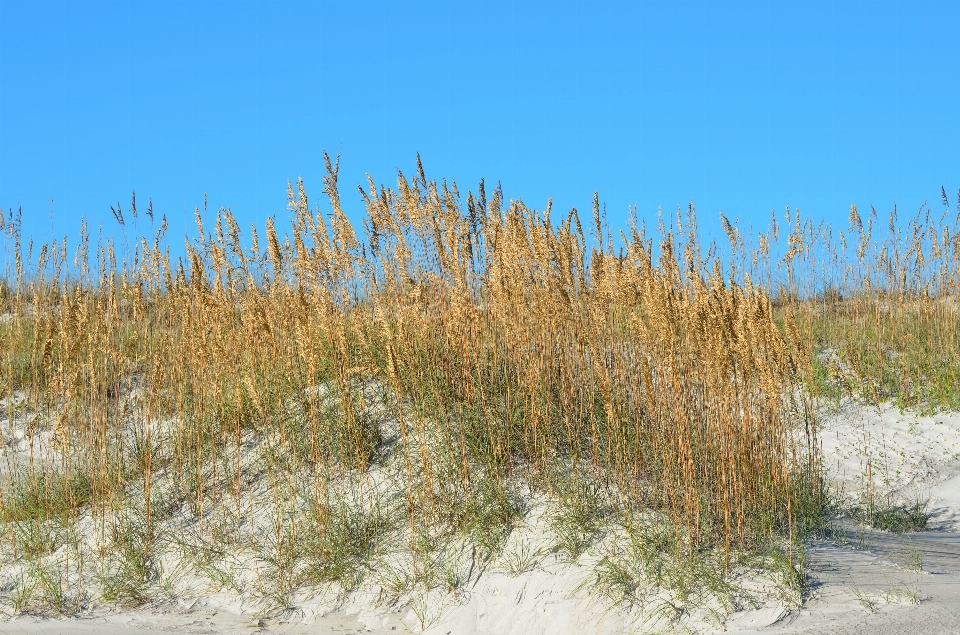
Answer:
(144, 623)
(871, 587)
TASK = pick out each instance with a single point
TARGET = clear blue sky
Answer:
(738, 106)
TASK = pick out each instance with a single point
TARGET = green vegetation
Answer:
(892, 517)
(42, 495)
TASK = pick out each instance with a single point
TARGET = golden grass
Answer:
(509, 351)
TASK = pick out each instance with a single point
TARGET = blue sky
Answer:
(740, 107)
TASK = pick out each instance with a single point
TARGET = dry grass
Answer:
(481, 351)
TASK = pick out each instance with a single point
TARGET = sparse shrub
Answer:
(135, 566)
(580, 515)
(485, 510)
(342, 542)
(40, 495)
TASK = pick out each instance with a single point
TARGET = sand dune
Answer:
(862, 582)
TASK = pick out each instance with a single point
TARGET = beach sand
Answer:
(863, 582)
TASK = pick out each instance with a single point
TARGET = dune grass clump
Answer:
(891, 516)
(44, 494)
(326, 403)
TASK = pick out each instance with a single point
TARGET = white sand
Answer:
(908, 457)
(871, 590)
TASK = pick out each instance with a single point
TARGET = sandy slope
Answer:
(908, 457)
(870, 585)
